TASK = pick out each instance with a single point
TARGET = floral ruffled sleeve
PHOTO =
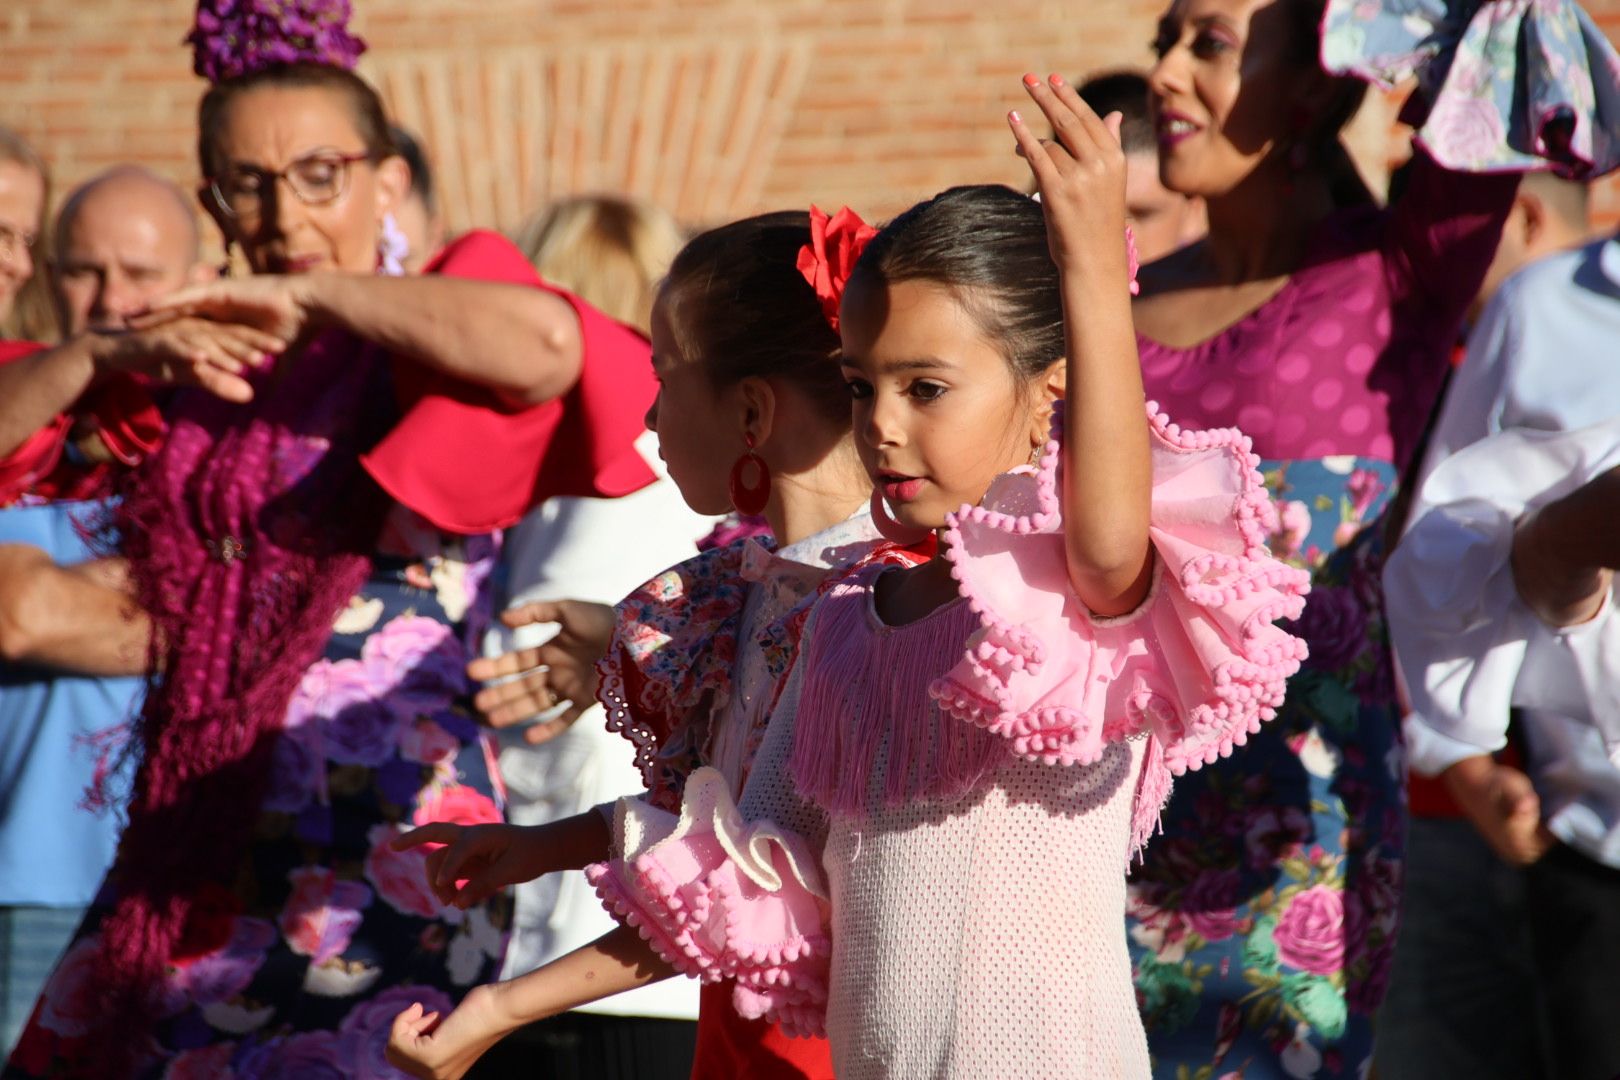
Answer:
(670, 662)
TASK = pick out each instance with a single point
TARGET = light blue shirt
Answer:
(1544, 357)
(53, 851)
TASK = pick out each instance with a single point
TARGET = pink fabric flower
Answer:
(322, 914)
(364, 1035)
(209, 1063)
(400, 877)
(224, 973)
(1365, 486)
(357, 727)
(1310, 933)
(459, 804)
(71, 1000)
(1464, 130)
(424, 741)
(1293, 526)
(1210, 904)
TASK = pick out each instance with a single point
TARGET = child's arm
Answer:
(1107, 469)
(445, 1048)
(488, 858)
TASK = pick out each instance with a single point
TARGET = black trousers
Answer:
(1574, 906)
(591, 1046)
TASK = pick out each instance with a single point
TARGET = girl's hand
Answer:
(279, 305)
(1503, 805)
(478, 861)
(561, 670)
(435, 1048)
(1081, 178)
(185, 351)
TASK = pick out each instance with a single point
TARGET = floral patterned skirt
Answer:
(298, 962)
(1262, 922)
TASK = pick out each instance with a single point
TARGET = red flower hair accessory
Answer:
(829, 258)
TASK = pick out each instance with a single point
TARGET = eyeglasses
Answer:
(14, 242)
(316, 179)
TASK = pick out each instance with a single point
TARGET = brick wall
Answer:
(713, 107)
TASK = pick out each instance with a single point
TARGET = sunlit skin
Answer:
(127, 242)
(1233, 92)
(22, 207)
(700, 426)
(921, 374)
(268, 128)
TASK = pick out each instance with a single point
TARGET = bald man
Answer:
(69, 420)
(123, 239)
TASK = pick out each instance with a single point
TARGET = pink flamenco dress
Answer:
(1263, 922)
(927, 862)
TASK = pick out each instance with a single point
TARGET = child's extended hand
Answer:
(444, 1048)
(563, 669)
(1081, 178)
(478, 861)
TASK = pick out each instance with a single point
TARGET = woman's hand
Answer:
(561, 670)
(186, 351)
(280, 305)
(1081, 179)
(444, 1048)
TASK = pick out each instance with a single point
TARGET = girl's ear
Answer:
(758, 399)
(1049, 388)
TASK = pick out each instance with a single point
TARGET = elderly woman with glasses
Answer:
(303, 566)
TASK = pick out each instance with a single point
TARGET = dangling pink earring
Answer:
(892, 530)
(750, 499)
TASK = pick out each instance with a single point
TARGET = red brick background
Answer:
(713, 107)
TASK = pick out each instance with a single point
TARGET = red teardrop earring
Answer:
(750, 499)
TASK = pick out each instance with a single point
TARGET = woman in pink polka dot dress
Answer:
(1263, 920)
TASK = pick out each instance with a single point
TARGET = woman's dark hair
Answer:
(409, 147)
(988, 243)
(1323, 147)
(741, 308)
(370, 119)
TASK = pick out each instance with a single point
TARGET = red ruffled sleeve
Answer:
(470, 462)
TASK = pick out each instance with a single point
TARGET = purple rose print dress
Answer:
(325, 934)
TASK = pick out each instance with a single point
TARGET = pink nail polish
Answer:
(1015, 117)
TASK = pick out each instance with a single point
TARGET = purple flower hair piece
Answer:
(238, 37)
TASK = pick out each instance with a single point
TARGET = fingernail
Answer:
(1014, 117)
(1031, 80)
(1057, 80)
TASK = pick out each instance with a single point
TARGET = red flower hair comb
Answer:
(829, 258)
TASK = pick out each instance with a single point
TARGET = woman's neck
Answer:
(814, 500)
(1260, 229)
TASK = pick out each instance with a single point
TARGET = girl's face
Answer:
(938, 413)
(1229, 88)
(699, 426)
(310, 130)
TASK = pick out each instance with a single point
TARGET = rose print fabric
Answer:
(1513, 84)
(1263, 920)
(297, 966)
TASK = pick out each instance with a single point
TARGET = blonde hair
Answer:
(33, 316)
(610, 251)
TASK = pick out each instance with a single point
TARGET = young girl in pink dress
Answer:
(928, 859)
(752, 414)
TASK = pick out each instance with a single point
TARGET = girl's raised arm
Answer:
(1107, 467)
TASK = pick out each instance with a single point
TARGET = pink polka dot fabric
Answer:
(1348, 358)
